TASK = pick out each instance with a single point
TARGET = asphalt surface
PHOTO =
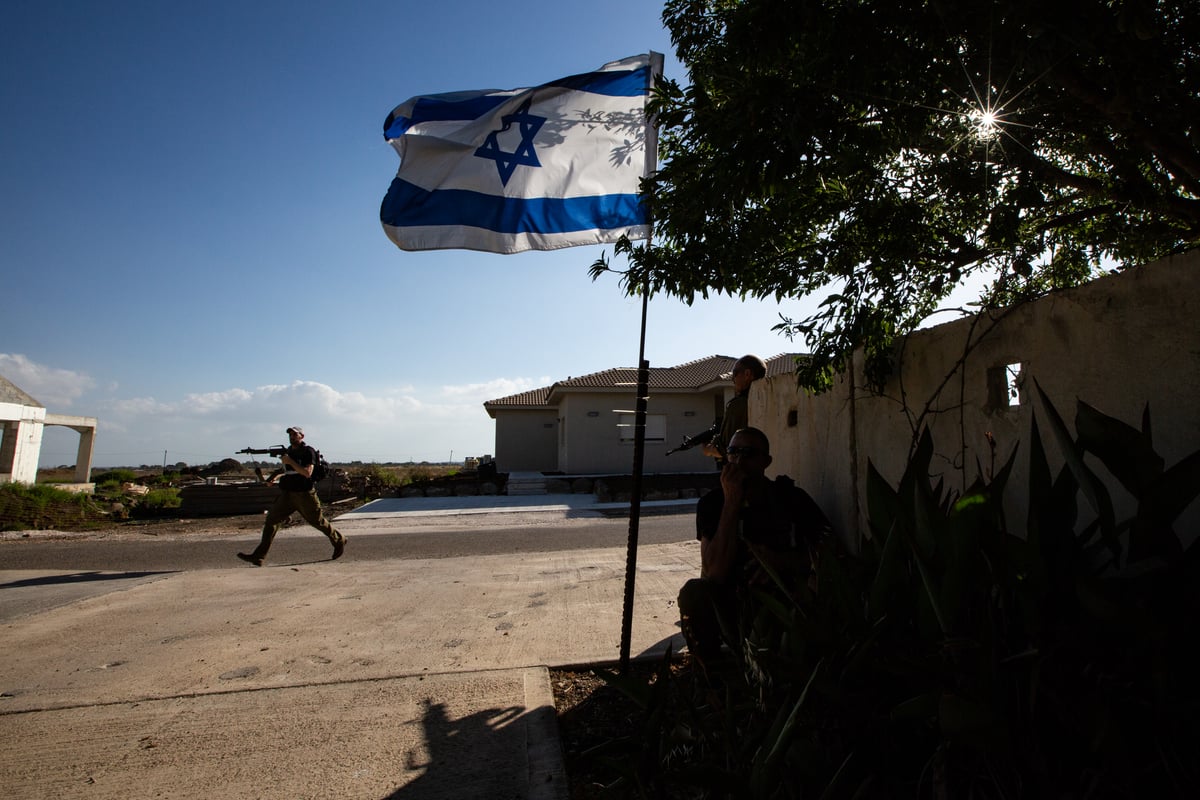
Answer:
(374, 678)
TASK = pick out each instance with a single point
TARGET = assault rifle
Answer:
(276, 451)
(703, 437)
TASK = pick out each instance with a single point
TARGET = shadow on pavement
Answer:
(469, 757)
(81, 577)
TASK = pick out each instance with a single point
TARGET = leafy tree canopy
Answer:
(883, 151)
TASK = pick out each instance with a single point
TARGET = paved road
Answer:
(301, 544)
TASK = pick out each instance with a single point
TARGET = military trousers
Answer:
(289, 502)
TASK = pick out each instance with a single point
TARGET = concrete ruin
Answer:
(23, 420)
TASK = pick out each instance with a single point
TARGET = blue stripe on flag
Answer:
(406, 205)
(625, 83)
(430, 108)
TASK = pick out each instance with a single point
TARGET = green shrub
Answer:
(161, 498)
(421, 474)
(117, 476)
(40, 506)
(166, 479)
(381, 476)
(108, 488)
(951, 658)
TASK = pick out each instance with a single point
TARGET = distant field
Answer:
(56, 475)
(399, 473)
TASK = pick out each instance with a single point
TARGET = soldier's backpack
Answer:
(320, 466)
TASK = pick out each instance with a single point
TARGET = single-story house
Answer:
(584, 425)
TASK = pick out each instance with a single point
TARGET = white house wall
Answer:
(590, 443)
(686, 415)
(590, 438)
(1117, 343)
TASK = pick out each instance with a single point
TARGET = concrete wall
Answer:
(20, 442)
(526, 440)
(86, 428)
(1117, 343)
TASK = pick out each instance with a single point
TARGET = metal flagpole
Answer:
(639, 419)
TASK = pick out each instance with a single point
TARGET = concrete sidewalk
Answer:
(401, 679)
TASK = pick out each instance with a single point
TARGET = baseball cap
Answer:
(299, 431)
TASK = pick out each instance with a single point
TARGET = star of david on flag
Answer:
(505, 171)
(524, 154)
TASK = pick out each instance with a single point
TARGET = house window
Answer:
(1005, 385)
(656, 428)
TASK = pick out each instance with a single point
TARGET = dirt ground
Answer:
(591, 714)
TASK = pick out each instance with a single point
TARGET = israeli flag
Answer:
(554, 166)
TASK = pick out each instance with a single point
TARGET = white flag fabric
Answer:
(500, 171)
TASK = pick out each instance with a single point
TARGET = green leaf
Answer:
(831, 144)
(780, 735)
(1177, 489)
(885, 510)
(1124, 450)
(1088, 483)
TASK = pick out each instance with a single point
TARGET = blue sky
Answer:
(191, 238)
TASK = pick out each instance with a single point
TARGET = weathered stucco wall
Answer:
(1117, 343)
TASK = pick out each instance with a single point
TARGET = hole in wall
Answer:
(1005, 385)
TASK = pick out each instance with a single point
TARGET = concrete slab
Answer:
(356, 679)
(435, 736)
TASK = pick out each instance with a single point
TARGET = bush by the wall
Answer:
(952, 658)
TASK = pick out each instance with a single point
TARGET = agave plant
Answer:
(952, 657)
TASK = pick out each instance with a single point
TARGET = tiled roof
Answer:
(533, 397)
(782, 364)
(693, 376)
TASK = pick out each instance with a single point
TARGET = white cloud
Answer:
(388, 424)
(134, 407)
(50, 386)
(221, 402)
(494, 389)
